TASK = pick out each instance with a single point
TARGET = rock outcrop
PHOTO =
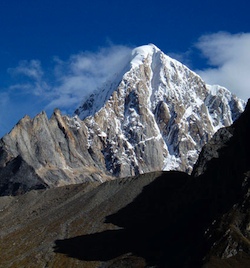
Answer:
(224, 164)
(44, 152)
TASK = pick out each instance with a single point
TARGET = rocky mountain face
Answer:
(42, 152)
(154, 115)
(158, 219)
(224, 164)
(158, 116)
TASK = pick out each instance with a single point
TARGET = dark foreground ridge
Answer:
(145, 226)
(159, 219)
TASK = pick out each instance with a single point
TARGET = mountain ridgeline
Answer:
(155, 115)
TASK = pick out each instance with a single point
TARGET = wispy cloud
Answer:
(31, 69)
(71, 80)
(85, 72)
(229, 58)
(30, 77)
(4, 111)
(64, 85)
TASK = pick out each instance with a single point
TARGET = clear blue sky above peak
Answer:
(46, 30)
(42, 29)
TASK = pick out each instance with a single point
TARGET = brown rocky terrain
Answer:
(46, 153)
(159, 219)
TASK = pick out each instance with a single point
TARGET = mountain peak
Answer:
(156, 114)
(149, 48)
(140, 53)
(159, 104)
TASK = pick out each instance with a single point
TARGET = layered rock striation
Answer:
(44, 152)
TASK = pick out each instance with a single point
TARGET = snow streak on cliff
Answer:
(160, 112)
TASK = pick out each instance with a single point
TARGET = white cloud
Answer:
(85, 72)
(30, 78)
(63, 86)
(229, 58)
(31, 69)
(70, 81)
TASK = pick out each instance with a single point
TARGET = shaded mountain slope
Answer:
(229, 170)
(178, 221)
(164, 219)
(32, 222)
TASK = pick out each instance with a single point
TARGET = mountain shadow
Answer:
(143, 225)
(166, 224)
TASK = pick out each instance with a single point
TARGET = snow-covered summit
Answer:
(157, 106)
(139, 54)
(138, 57)
(99, 96)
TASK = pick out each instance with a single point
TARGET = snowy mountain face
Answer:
(155, 114)
(159, 116)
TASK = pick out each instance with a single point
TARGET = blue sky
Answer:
(44, 44)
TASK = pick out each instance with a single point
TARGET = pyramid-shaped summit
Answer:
(157, 106)
(156, 114)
